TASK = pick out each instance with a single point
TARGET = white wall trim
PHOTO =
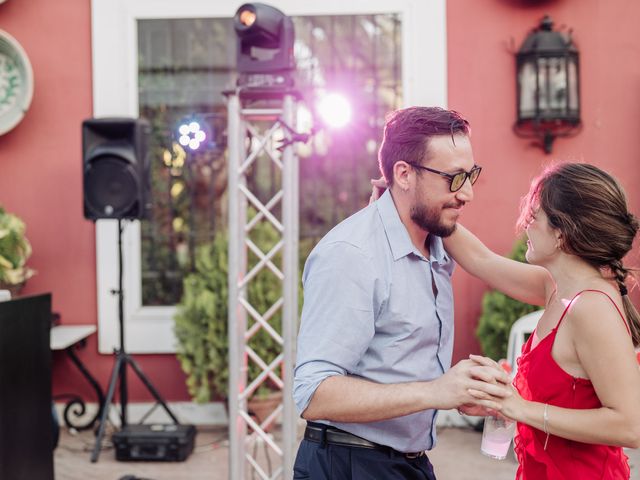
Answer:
(209, 414)
(424, 73)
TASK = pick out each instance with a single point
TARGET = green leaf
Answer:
(15, 249)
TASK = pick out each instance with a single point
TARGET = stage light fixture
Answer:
(192, 133)
(265, 39)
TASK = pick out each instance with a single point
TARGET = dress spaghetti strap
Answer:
(599, 291)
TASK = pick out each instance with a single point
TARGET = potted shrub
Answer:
(201, 321)
(15, 250)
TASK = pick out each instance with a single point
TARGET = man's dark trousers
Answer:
(317, 461)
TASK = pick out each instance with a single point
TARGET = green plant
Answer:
(499, 312)
(15, 249)
(201, 321)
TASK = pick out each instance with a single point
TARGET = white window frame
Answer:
(115, 93)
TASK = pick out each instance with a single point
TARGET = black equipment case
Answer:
(156, 442)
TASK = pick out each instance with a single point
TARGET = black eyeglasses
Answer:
(456, 180)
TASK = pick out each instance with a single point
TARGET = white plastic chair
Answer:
(518, 335)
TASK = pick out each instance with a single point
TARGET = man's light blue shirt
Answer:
(377, 309)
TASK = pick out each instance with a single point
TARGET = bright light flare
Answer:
(191, 135)
(335, 110)
(247, 18)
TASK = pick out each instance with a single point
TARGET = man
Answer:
(376, 337)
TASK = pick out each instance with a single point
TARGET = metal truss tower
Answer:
(262, 134)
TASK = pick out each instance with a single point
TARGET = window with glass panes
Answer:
(185, 65)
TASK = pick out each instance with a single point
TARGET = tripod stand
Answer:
(122, 360)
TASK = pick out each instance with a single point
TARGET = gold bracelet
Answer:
(545, 420)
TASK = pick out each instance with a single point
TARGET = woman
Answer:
(577, 390)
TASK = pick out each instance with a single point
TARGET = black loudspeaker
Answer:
(115, 165)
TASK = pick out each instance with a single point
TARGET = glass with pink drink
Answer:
(496, 437)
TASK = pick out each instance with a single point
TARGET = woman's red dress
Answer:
(541, 379)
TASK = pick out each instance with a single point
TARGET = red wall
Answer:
(482, 36)
(40, 180)
(40, 160)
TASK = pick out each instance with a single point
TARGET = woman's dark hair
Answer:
(407, 133)
(589, 208)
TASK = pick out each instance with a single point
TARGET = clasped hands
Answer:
(481, 387)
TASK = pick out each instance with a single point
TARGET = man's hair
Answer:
(407, 133)
(589, 208)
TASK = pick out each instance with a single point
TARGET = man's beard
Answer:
(428, 219)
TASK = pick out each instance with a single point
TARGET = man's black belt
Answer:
(319, 433)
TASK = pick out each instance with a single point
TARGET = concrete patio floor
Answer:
(456, 457)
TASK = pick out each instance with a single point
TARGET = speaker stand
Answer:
(122, 360)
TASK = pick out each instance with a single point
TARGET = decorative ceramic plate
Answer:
(16, 82)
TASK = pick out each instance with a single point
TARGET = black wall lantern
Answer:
(548, 86)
